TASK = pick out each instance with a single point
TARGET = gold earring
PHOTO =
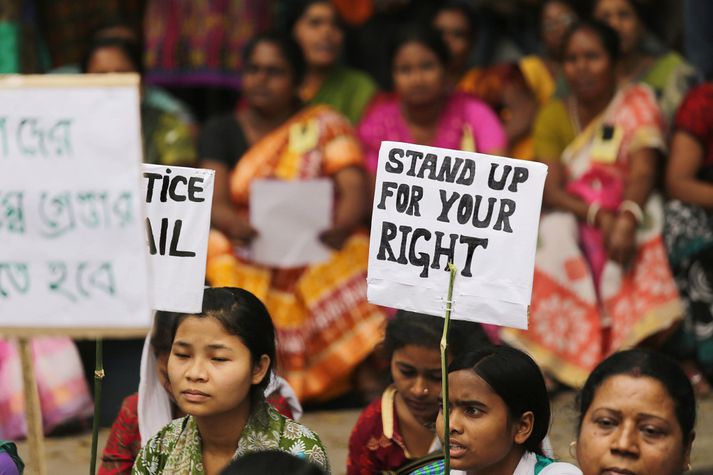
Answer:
(688, 467)
(572, 447)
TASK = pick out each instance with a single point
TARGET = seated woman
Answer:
(544, 72)
(499, 416)
(316, 26)
(602, 280)
(220, 364)
(455, 21)
(636, 416)
(144, 413)
(506, 90)
(643, 58)
(518, 90)
(502, 87)
(166, 136)
(325, 326)
(423, 111)
(397, 429)
(689, 232)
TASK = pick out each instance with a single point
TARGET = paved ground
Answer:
(70, 455)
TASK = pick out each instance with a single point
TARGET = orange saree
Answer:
(325, 326)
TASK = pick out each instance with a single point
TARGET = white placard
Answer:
(72, 238)
(178, 202)
(288, 217)
(432, 205)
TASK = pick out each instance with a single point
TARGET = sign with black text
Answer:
(433, 206)
(178, 203)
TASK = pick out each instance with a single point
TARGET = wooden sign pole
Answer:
(35, 435)
(444, 371)
(98, 379)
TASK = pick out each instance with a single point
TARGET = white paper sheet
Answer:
(289, 216)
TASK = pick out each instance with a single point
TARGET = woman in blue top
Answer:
(499, 415)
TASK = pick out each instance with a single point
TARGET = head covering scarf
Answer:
(155, 403)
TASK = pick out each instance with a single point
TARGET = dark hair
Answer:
(518, 381)
(410, 328)
(465, 9)
(130, 49)
(294, 9)
(271, 461)
(643, 11)
(606, 34)
(578, 7)
(289, 48)
(112, 24)
(642, 362)
(424, 35)
(163, 332)
(243, 315)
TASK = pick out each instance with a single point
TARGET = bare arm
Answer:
(620, 241)
(684, 163)
(555, 195)
(223, 214)
(351, 187)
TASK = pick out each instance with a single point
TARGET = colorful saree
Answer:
(466, 123)
(325, 326)
(689, 237)
(670, 76)
(585, 307)
(347, 90)
(376, 444)
(177, 448)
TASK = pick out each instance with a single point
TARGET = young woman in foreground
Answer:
(499, 415)
(219, 366)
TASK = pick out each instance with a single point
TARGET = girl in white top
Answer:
(499, 415)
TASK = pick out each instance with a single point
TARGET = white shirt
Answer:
(527, 467)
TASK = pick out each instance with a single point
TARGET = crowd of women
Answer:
(624, 256)
(227, 414)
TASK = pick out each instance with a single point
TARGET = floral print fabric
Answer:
(177, 448)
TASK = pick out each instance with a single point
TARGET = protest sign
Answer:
(433, 206)
(178, 203)
(73, 256)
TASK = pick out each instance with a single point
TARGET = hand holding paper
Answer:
(289, 218)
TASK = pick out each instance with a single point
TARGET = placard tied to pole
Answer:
(433, 206)
(73, 255)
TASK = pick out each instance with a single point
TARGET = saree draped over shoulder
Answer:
(177, 448)
(584, 306)
(325, 326)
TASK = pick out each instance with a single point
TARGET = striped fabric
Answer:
(325, 326)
